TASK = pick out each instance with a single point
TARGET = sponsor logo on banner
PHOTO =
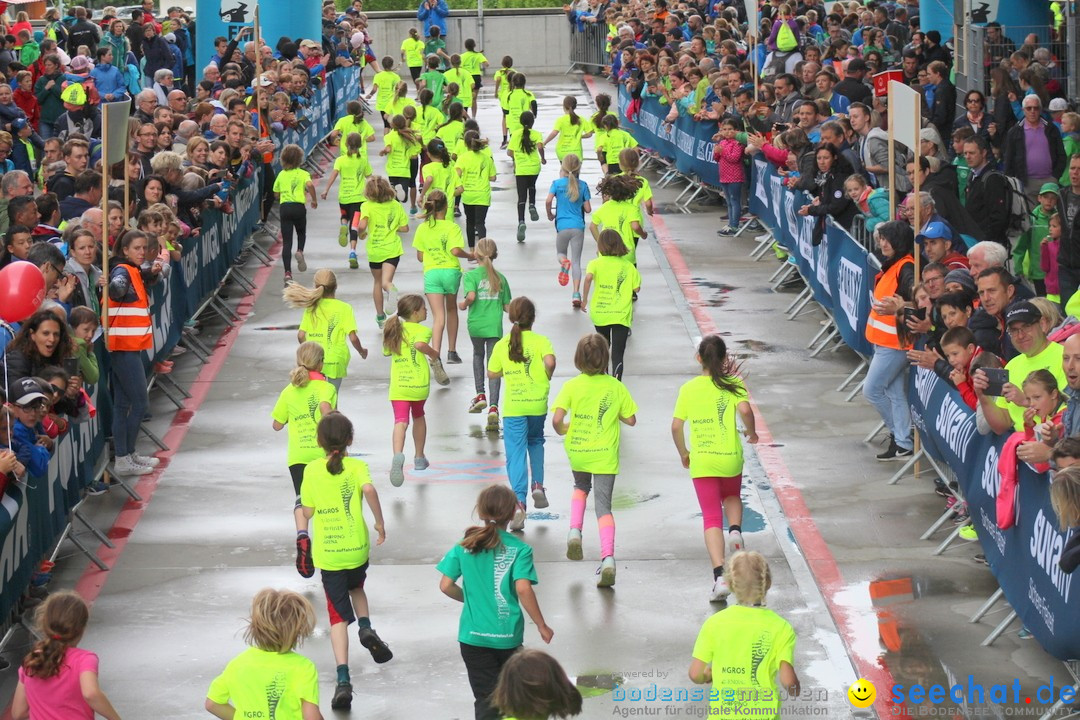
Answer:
(991, 480)
(759, 187)
(17, 543)
(851, 278)
(777, 186)
(823, 264)
(956, 426)
(1045, 546)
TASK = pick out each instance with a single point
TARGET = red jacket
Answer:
(28, 103)
(967, 390)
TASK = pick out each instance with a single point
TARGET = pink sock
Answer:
(607, 535)
(577, 509)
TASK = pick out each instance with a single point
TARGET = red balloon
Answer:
(22, 290)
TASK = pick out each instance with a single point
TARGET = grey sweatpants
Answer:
(481, 354)
(568, 243)
(604, 486)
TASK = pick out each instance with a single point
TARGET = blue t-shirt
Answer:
(569, 215)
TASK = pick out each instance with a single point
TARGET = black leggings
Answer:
(475, 222)
(293, 215)
(268, 191)
(526, 186)
(348, 214)
(616, 335)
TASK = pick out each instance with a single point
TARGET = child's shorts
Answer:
(442, 281)
(296, 472)
(385, 119)
(405, 183)
(337, 584)
(388, 261)
(415, 72)
(477, 82)
(403, 408)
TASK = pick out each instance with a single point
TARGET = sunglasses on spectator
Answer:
(1032, 108)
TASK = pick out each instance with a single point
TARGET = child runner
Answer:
(434, 81)
(617, 284)
(270, 678)
(333, 493)
(57, 678)
(476, 168)
(572, 200)
(428, 118)
(603, 109)
(450, 96)
(518, 100)
(384, 217)
(438, 173)
(728, 153)
(526, 361)
(402, 144)
(353, 166)
(384, 83)
(453, 128)
(462, 79)
(353, 122)
(327, 321)
(487, 295)
(498, 574)
(570, 128)
(744, 647)
(619, 213)
(300, 406)
(629, 162)
(613, 141)
(533, 686)
(527, 152)
(709, 403)
(588, 411)
(405, 342)
(292, 187)
(473, 63)
(400, 101)
(502, 90)
(412, 54)
(439, 245)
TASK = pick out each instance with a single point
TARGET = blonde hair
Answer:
(378, 189)
(280, 620)
(299, 297)
(1065, 496)
(1049, 311)
(571, 166)
(749, 576)
(485, 253)
(394, 329)
(309, 358)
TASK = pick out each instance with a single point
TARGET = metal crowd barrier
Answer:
(588, 48)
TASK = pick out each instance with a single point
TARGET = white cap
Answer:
(1058, 105)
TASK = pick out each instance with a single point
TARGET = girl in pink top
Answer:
(57, 680)
(728, 153)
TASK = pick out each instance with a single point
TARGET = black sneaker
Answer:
(342, 697)
(304, 564)
(453, 358)
(380, 651)
(901, 453)
(890, 452)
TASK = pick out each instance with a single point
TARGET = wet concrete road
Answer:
(170, 613)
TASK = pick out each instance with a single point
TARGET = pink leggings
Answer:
(403, 408)
(711, 492)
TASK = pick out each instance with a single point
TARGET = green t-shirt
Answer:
(620, 216)
(346, 125)
(477, 171)
(486, 311)
(470, 62)
(525, 385)
(330, 323)
(385, 81)
(437, 239)
(291, 184)
(614, 282)
(613, 143)
(526, 163)
(491, 616)
(569, 137)
(440, 177)
(464, 82)
(384, 220)
(262, 684)
(594, 405)
(354, 170)
(414, 52)
(1021, 366)
(432, 47)
(402, 151)
(297, 408)
(339, 533)
(745, 646)
(410, 372)
(517, 102)
(434, 81)
(715, 446)
(428, 120)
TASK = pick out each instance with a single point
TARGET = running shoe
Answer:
(353, 262)
(439, 372)
(540, 500)
(968, 533)
(397, 470)
(521, 233)
(412, 210)
(1024, 634)
(421, 463)
(97, 488)
(380, 651)
(342, 697)
(301, 264)
(380, 320)
(533, 214)
(727, 231)
(493, 419)
(453, 358)
(288, 278)
(720, 590)
(457, 212)
(518, 523)
(576, 302)
(890, 452)
(564, 271)
(573, 545)
(606, 571)
(735, 542)
(304, 564)
(343, 235)
(503, 146)
(478, 403)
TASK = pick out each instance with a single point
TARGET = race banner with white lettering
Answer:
(685, 141)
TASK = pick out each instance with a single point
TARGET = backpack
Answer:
(785, 39)
(1018, 205)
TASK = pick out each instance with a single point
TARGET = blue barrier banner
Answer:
(686, 141)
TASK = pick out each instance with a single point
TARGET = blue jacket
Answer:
(109, 81)
(433, 16)
(178, 62)
(36, 459)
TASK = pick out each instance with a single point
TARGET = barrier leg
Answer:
(804, 307)
(260, 254)
(153, 438)
(764, 242)
(96, 533)
(985, 607)
(855, 392)
(123, 485)
(854, 373)
(833, 335)
(916, 457)
(798, 299)
(826, 326)
(999, 630)
(243, 281)
(948, 541)
(1073, 668)
(745, 226)
(223, 311)
(168, 392)
(175, 387)
(782, 274)
(874, 433)
(192, 343)
(69, 534)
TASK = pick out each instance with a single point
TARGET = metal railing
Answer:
(588, 47)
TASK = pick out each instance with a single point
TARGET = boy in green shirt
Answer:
(433, 80)
(435, 45)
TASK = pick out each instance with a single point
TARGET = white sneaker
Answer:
(518, 523)
(734, 543)
(573, 545)
(720, 590)
(606, 572)
(124, 465)
(439, 372)
(147, 460)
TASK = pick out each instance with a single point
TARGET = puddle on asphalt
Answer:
(595, 684)
(756, 345)
(752, 520)
(625, 501)
(542, 516)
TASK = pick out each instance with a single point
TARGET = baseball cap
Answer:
(1049, 188)
(1022, 312)
(81, 63)
(26, 391)
(18, 124)
(170, 37)
(935, 230)
(1058, 105)
(74, 94)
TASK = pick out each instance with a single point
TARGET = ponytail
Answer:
(523, 315)
(528, 145)
(61, 621)
(569, 104)
(485, 253)
(335, 435)
(309, 359)
(435, 202)
(394, 328)
(722, 368)
(571, 166)
(495, 507)
(603, 104)
(299, 297)
(473, 143)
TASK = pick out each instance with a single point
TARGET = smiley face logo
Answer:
(862, 693)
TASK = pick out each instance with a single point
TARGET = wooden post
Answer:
(257, 38)
(892, 155)
(916, 219)
(105, 228)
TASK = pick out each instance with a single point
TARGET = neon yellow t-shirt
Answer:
(504, 85)
(402, 151)
(451, 133)
(329, 323)
(614, 142)
(477, 172)
(397, 106)
(339, 533)
(715, 447)
(346, 125)
(414, 52)
(614, 282)
(526, 163)
(569, 140)
(594, 405)
(471, 62)
(598, 132)
(384, 222)
(464, 82)
(644, 193)
(354, 169)
(619, 216)
(436, 239)
(291, 184)
(517, 102)
(428, 120)
(262, 684)
(385, 81)
(525, 384)
(1021, 366)
(440, 177)
(298, 409)
(410, 372)
(745, 646)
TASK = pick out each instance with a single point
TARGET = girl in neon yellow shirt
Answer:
(462, 79)
(412, 54)
(399, 100)
(402, 145)
(476, 168)
(533, 686)
(353, 167)
(382, 220)
(438, 173)
(502, 89)
(453, 128)
(617, 283)
(518, 100)
(473, 63)
(327, 321)
(293, 187)
(603, 109)
(428, 117)
(527, 152)
(383, 83)
(570, 129)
